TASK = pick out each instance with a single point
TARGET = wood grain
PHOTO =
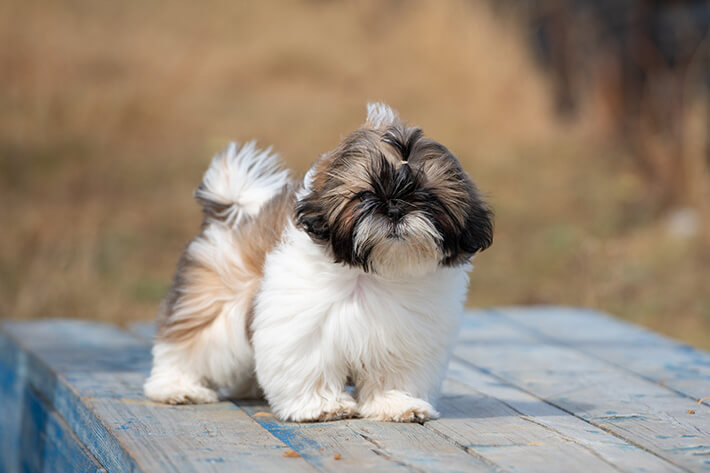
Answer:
(677, 366)
(561, 427)
(642, 413)
(47, 443)
(528, 390)
(93, 375)
(470, 432)
(358, 444)
(369, 446)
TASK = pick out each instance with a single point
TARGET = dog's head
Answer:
(392, 201)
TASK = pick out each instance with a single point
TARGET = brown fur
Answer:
(200, 284)
(358, 183)
(366, 165)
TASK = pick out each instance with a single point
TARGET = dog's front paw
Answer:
(322, 410)
(396, 406)
(342, 408)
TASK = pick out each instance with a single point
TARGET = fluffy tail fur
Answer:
(239, 181)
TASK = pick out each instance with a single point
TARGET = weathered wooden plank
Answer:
(640, 351)
(462, 409)
(475, 385)
(97, 384)
(357, 445)
(11, 394)
(33, 437)
(644, 413)
(361, 445)
(414, 444)
(93, 374)
(47, 444)
(492, 429)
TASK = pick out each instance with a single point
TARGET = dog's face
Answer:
(391, 201)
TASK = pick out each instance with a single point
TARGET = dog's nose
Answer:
(394, 213)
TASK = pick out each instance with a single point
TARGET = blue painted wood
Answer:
(511, 427)
(47, 444)
(500, 424)
(369, 446)
(11, 393)
(359, 445)
(33, 437)
(640, 351)
(93, 373)
(638, 411)
(539, 394)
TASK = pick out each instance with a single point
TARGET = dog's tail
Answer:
(239, 181)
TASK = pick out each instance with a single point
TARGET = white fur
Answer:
(318, 323)
(410, 255)
(243, 177)
(380, 115)
(219, 359)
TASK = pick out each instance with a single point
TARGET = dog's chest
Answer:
(376, 315)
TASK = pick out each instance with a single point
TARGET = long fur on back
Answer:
(358, 274)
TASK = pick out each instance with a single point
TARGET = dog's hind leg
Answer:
(173, 381)
(202, 345)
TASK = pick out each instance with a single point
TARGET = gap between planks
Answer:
(595, 442)
(299, 437)
(436, 428)
(552, 404)
(492, 319)
(94, 405)
(560, 342)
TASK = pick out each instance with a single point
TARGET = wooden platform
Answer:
(528, 390)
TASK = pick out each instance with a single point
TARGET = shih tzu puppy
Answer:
(356, 275)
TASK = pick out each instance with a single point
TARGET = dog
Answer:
(356, 275)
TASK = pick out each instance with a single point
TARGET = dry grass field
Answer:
(110, 111)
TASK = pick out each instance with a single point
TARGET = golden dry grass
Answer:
(109, 113)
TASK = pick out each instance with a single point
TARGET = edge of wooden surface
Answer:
(37, 376)
(564, 376)
(106, 438)
(403, 455)
(597, 440)
(478, 454)
(680, 361)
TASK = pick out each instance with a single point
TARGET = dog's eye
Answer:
(364, 195)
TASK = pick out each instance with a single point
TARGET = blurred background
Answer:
(587, 122)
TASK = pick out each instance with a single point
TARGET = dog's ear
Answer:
(467, 225)
(380, 115)
(477, 234)
(310, 216)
